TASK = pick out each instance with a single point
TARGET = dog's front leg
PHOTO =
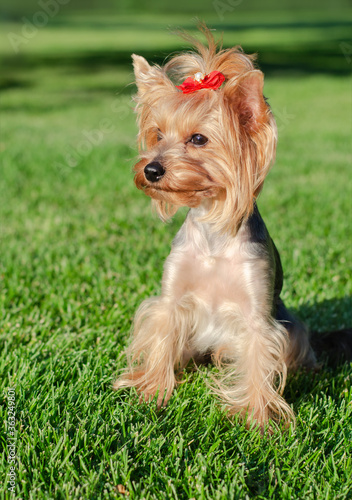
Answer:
(157, 349)
(254, 370)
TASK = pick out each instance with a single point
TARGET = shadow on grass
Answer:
(328, 315)
(325, 316)
(321, 57)
(325, 54)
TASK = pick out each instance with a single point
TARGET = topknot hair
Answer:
(207, 58)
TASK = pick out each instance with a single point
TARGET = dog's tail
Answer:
(335, 347)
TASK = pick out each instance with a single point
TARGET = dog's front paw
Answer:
(147, 388)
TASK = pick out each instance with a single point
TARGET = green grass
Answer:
(80, 249)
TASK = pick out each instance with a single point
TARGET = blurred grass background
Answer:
(91, 47)
(80, 250)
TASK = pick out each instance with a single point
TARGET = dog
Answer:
(207, 141)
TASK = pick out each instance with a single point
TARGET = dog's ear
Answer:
(245, 96)
(254, 122)
(149, 77)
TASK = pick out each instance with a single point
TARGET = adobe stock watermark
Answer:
(346, 49)
(11, 440)
(30, 26)
(283, 118)
(223, 7)
(92, 138)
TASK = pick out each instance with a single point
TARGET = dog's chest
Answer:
(213, 271)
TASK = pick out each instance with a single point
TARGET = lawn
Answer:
(80, 249)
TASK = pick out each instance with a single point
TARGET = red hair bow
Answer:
(211, 81)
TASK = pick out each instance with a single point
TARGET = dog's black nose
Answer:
(154, 171)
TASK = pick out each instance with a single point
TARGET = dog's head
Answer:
(204, 144)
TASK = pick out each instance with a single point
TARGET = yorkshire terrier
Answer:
(208, 144)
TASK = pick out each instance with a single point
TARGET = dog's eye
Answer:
(198, 140)
(158, 136)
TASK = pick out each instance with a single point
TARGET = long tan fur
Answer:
(218, 284)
